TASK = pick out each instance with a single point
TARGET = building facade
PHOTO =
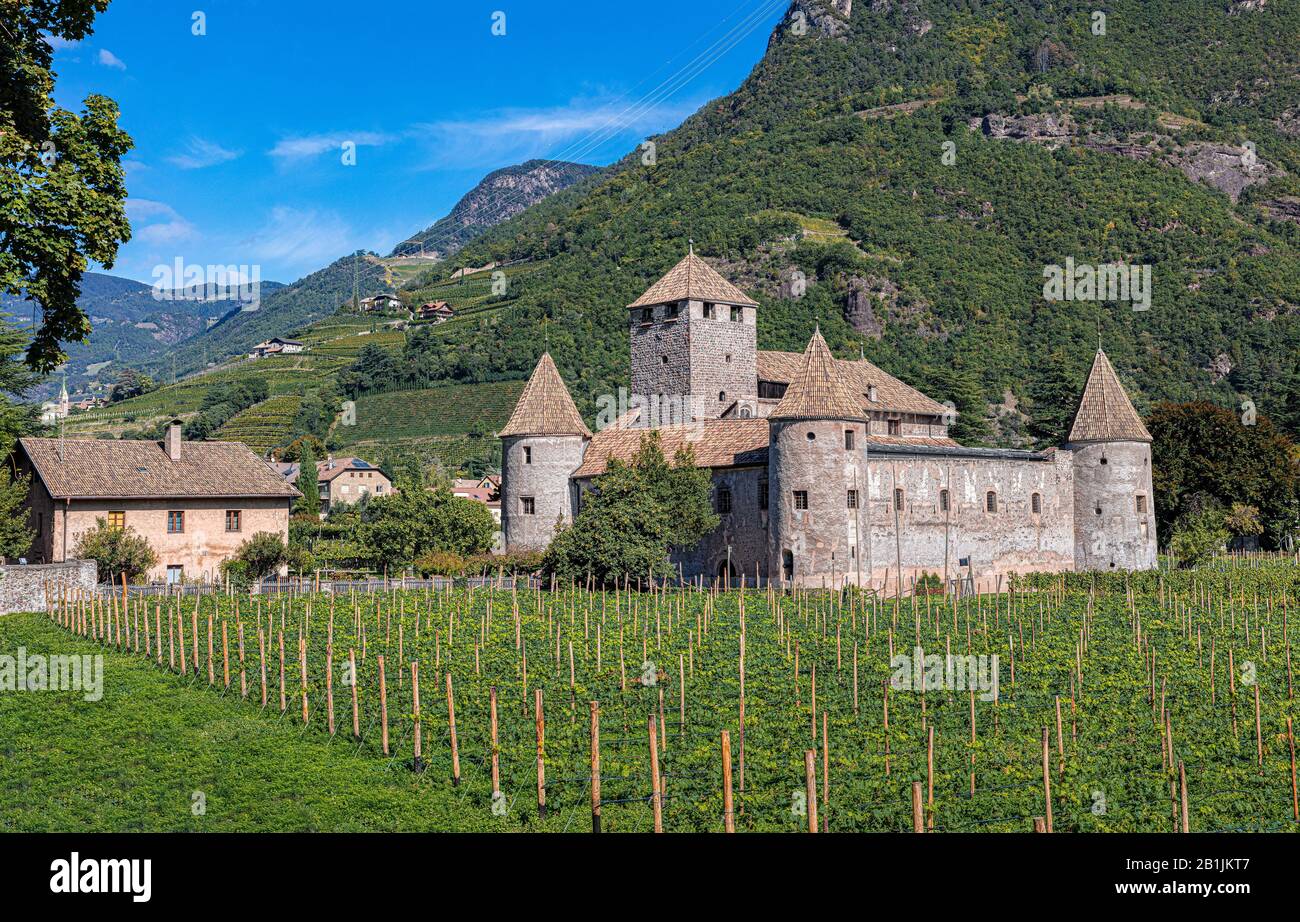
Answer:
(194, 502)
(827, 471)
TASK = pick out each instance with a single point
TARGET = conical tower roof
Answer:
(1105, 413)
(692, 279)
(545, 407)
(818, 390)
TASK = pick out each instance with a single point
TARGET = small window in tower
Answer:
(664, 359)
(853, 499)
(943, 500)
(737, 314)
(528, 505)
(895, 427)
(871, 393)
(528, 455)
(708, 309)
(1141, 503)
(848, 439)
(898, 499)
(991, 501)
(1035, 504)
(1097, 510)
(812, 436)
(728, 359)
(1104, 461)
(724, 501)
(801, 499)
(671, 311)
(722, 395)
(762, 494)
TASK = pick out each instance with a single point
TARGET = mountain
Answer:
(131, 326)
(501, 195)
(905, 172)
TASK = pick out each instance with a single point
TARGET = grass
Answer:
(436, 411)
(134, 761)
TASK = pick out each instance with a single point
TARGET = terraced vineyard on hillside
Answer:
(262, 426)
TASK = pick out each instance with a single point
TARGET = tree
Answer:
(399, 527)
(262, 554)
(632, 517)
(309, 502)
(1204, 456)
(1198, 537)
(63, 198)
(116, 551)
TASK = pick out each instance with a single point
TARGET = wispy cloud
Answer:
(569, 132)
(58, 43)
(200, 153)
(108, 59)
(158, 224)
(303, 239)
(292, 150)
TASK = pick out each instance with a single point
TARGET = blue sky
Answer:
(239, 132)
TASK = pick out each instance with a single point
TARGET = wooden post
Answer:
(1047, 781)
(655, 798)
(225, 653)
(1039, 825)
(1295, 802)
(810, 787)
(284, 701)
(918, 811)
(302, 672)
(728, 808)
(383, 703)
(1182, 786)
(261, 655)
(595, 766)
(1259, 737)
(541, 747)
(356, 708)
(496, 754)
(243, 672)
(415, 701)
(929, 776)
(451, 723)
(329, 687)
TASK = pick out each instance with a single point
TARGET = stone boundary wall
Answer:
(22, 588)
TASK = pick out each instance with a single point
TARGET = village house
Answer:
(380, 303)
(275, 346)
(436, 312)
(194, 502)
(341, 480)
(485, 490)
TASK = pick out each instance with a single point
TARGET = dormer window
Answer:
(871, 393)
(737, 314)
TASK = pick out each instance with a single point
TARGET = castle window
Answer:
(528, 505)
(528, 455)
(898, 499)
(894, 427)
(728, 359)
(724, 501)
(1104, 461)
(762, 494)
(1097, 510)
(1035, 504)
(233, 520)
(175, 523)
(991, 501)
(853, 499)
(943, 500)
(117, 520)
(1141, 503)
(812, 436)
(664, 359)
(722, 395)
(737, 314)
(871, 393)
(671, 311)
(848, 439)
(801, 499)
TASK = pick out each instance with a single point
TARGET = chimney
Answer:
(329, 462)
(172, 441)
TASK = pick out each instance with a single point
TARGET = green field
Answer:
(1120, 662)
(451, 410)
(264, 425)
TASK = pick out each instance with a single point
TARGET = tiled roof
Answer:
(1105, 413)
(128, 469)
(717, 443)
(692, 279)
(545, 407)
(891, 393)
(325, 473)
(818, 389)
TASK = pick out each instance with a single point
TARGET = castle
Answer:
(827, 471)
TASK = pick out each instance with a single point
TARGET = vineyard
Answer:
(1154, 702)
(264, 425)
(453, 409)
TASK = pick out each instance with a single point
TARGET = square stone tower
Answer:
(694, 336)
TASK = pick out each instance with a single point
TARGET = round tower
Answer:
(1114, 517)
(817, 469)
(541, 446)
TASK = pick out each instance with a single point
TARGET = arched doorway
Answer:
(787, 565)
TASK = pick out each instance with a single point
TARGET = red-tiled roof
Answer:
(545, 407)
(891, 393)
(716, 442)
(1105, 412)
(818, 390)
(692, 279)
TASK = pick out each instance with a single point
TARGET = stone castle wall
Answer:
(1109, 531)
(546, 480)
(23, 587)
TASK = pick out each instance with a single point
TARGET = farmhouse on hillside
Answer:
(380, 303)
(341, 480)
(436, 311)
(194, 502)
(275, 346)
(829, 471)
